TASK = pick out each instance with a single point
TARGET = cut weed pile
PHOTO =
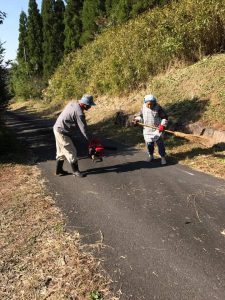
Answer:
(38, 258)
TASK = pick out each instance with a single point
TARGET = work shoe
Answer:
(62, 173)
(59, 168)
(163, 161)
(76, 171)
(150, 158)
(78, 174)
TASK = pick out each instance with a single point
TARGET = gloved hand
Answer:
(135, 122)
(161, 128)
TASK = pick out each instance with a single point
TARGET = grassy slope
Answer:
(203, 81)
(190, 94)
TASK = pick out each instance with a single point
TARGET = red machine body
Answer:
(96, 150)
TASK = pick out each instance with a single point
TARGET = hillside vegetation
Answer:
(189, 94)
(124, 58)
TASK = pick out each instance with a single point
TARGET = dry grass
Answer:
(210, 160)
(38, 258)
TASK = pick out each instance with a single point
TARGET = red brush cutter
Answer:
(96, 150)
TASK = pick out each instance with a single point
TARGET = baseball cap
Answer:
(87, 99)
(150, 98)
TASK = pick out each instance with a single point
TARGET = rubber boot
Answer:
(150, 157)
(76, 171)
(163, 160)
(59, 168)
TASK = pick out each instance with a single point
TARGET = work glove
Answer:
(136, 120)
(161, 128)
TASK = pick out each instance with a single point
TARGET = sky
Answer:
(9, 30)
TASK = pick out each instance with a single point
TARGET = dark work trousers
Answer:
(161, 147)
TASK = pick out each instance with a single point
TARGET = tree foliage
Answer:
(26, 73)
(90, 14)
(22, 52)
(2, 16)
(3, 77)
(73, 25)
(22, 84)
(3, 71)
(120, 11)
(59, 28)
(34, 39)
(53, 36)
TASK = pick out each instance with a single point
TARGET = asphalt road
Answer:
(163, 227)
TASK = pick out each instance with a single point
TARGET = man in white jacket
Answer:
(152, 114)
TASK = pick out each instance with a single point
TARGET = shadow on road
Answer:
(127, 167)
(36, 133)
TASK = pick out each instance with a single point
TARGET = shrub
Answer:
(23, 85)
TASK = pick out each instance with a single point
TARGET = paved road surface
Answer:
(163, 227)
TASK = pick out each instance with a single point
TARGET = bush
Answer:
(23, 85)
